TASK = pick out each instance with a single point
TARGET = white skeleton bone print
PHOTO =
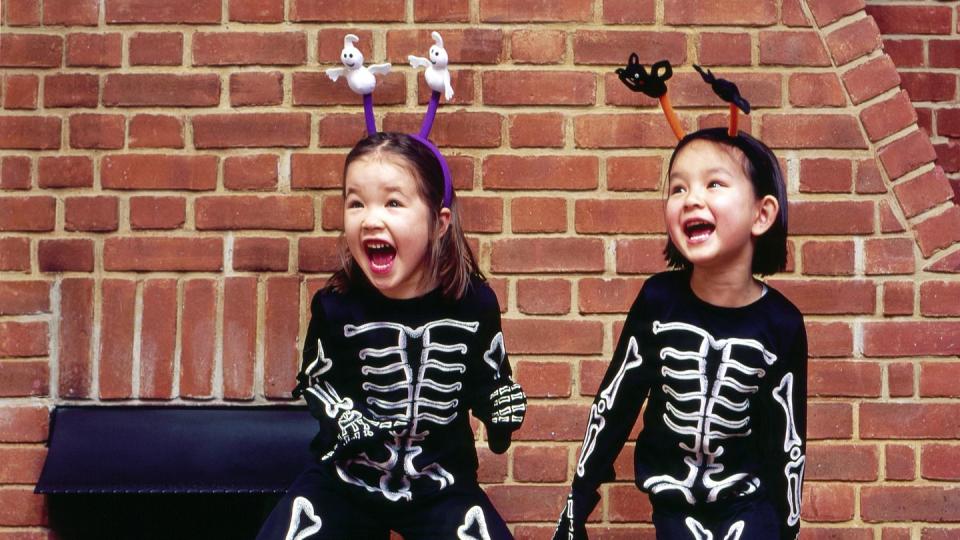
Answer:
(405, 383)
(793, 470)
(707, 409)
(700, 533)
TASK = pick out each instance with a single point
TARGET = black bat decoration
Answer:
(727, 90)
(637, 79)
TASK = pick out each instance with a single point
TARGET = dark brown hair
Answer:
(763, 169)
(451, 261)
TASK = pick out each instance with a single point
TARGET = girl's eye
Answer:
(715, 184)
(393, 203)
(677, 189)
(354, 204)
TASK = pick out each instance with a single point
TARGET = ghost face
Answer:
(351, 57)
(712, 212)
(438, 57)
(388, 225)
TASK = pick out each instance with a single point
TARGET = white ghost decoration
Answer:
(360, 79)
(436, 74)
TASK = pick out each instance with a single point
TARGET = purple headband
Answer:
(362, 81)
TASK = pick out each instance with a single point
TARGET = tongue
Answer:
(382, 257)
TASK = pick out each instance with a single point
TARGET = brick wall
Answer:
(169, 202)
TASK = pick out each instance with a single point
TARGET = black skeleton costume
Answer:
(392, 383)
(721, 453)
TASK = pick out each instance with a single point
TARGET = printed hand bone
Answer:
(436, 74)
(356, 431)
(360, 79)
(508, 405)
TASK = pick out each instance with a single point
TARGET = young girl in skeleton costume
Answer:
(718, 356)
(404, 343)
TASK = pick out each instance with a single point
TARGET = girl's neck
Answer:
(730, 288)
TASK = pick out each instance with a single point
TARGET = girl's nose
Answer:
(693, 199)
(371, 220)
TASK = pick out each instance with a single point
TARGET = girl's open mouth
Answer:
(698, 231)
(380, 254)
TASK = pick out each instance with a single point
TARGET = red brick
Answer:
(909, 420)
(71, 12)
(831, 258)
(926, 86)
(332, 213)
(831, 217)
(94, 50)
(904, 52)
(461, 129)
(172, 11)
(553, 422)
(548, 255)
(261, 254)
(842, 462)
(543, 296)
(816, 90)
(158, 338)
(636, 130)
(812, 131)
(898, 298)
(93, 214)
(853, 41)
(156, 49)
(826, 12)
(156, 131)
(948, 264)
(21, 12)
(829, 339)
(24, 297)
(157, 254)
(34, 214)
(844, 378)
(938, 461)
(19, 506)
(30, 51)
(15, 172)
(937, 379)
(538, 215)
(161, 90)
(733, 13)
(870, 79)
(634, 173)
(540, 464)
(822, 296)
(249, 89)
(23, 339)
(913, 338)
(618, 216)
(24, 423)
(540, 172)
(544, 379)
(65, 172)
(71, 90)
(157, 212)
(313, 171)
(264, 11)
(239, 337)
(30, 132)
(334, 11)
(904, 19)
(552, 336)
(285, 212)
(629, 11)
(116, 338)
(21, 464)
(627, 504)
(341, 130)
(466, 46)
(888, 117)
(939, 299)
(96, 131)
(23, 379)
(792, 48)
(20, 91)
(74, 340)
(541, 46)
(318, 254)
(65, 255)
(900, 379)
(251, 130)
(889, 222)
(492, 467)
(910, 503)
(282, 322)
(828, 502)
(247, 48)
(536, 130)
(312, 88)
(641, 256)
(826, 175)
(615, 46)
(598, 295)
(145, 171)
(255, 172)
(198, 339)
(725, 49)
(868, 179)
(944, 53)
(938, 533)
(938, 232)
(501, 11)
(330, 43)
(450, 11)
(539, 88)
(480, 214)
(889, 256)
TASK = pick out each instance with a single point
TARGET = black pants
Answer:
(319, 506)
(754, 519)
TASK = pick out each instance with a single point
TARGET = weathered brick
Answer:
(20, 92)
(198, 338)
(248, 48)
(501, 11)
(253, 172)
(281, 357)
(816, 90)
(635, 130)
(30, 132)
(526, 255)
(251, 89)
(854, 40)
(96, 131)
(540, 172)
(158, 254)
(30, 50)
(641, 256)
(93, 214)
(156, 49)
(812, 131)
(911, 338)
(254, 11)
(792, 48)
(238, 212)
(161, 90)
(615, 46)
(460, 129)
(71, 90)
(829, 258)
(261, 254)
(94, 50)
(239, 337)
(116, 338)
(725, 49)
(536, 130)
(157, 212)
(318, 254)
(149, 171)
(15, 172)
(888, 117)
(907, 19)
(23, 339)
(615, 216)
(910, 503)
(75, 373)
(33, 214)
(334, 11)
(870, 79)
(844, 378)
(541, 46)
(939, 231)
(156, 131)
(831, 217)
(889, 256)
(167, 12)
(734, 13)
(158, 338)
(466, 46)
(65, 255)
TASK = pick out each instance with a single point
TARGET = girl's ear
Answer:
(443, 222)
(767, 209)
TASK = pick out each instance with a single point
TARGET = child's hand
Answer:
(508, 405)
(572, 523)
